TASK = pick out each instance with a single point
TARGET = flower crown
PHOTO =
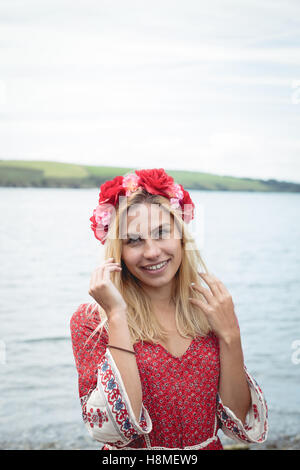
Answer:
(154, 181)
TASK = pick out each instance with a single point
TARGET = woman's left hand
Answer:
(218, 307)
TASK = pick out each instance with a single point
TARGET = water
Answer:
(251, 241)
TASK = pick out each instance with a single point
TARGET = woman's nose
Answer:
(151, 249)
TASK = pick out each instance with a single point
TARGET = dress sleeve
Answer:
(106, 408)
(255, 428)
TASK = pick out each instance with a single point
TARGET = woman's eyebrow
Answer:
(129, 235)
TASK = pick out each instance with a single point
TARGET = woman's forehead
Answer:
(149, 214)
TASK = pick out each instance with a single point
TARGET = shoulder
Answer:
(84, 320)
(80, 317)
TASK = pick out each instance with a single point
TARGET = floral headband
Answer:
(154, 181)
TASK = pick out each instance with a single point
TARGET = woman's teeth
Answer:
(157, 266)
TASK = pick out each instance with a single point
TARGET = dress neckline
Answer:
(172, 355)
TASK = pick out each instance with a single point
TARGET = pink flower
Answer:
(175, 192)
(101, 219)
(104, 213)
(130, 183)
(174, 201)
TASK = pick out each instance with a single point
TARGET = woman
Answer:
(159, 353)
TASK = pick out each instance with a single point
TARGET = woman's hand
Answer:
(217, 307)
(104, 291)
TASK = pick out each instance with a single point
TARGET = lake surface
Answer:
(251, 241)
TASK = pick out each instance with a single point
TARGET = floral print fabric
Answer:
(181, 405)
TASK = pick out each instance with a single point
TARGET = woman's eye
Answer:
(133, 240)
(161, 231)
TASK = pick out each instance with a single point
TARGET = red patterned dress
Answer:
(181, 406)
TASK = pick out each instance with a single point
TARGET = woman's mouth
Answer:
(156, 268)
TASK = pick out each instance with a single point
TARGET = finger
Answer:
(212, 282)
(222, 287)
(108, 269)
(111, 263)
(93, 278)
(97, 274)
(100, 268)
(202, 305)
(205, 292)
(100, 271)
(110, 260)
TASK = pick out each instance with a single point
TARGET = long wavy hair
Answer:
(143, 325)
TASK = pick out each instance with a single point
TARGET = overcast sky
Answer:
(200, 85)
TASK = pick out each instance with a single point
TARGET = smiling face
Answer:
(152, 250)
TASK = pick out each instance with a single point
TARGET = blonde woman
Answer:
(159, 354)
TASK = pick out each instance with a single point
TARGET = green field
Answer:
(26, 173)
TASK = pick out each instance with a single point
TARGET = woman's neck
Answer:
(161, 300)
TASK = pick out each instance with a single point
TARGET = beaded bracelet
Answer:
(121, 349)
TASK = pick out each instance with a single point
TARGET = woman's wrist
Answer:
(117, 315)
(119, 334)
(230, 339)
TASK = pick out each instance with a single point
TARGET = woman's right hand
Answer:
(104, 291)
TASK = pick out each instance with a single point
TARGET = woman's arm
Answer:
(108, 296)
(233, 387)
(106, 407)
(218, 307)
(241, 406)
(118, 333)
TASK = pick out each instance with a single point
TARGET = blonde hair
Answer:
(143, 325)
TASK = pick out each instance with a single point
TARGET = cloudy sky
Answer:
(184, 84)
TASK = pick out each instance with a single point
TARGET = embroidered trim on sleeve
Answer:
(118, 404)
(255, 428)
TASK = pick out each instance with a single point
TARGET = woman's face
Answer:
(152, 250)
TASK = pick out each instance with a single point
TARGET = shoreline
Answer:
(282, 443)
(52, 174)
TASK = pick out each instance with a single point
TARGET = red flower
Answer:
(187, 206)
(111, 190)
(155, 181)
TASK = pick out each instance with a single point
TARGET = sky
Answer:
(197, 85)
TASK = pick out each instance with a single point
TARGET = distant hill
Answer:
(48, 174)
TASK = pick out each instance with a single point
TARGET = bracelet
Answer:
(121, 349)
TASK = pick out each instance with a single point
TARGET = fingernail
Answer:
(192, 284)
